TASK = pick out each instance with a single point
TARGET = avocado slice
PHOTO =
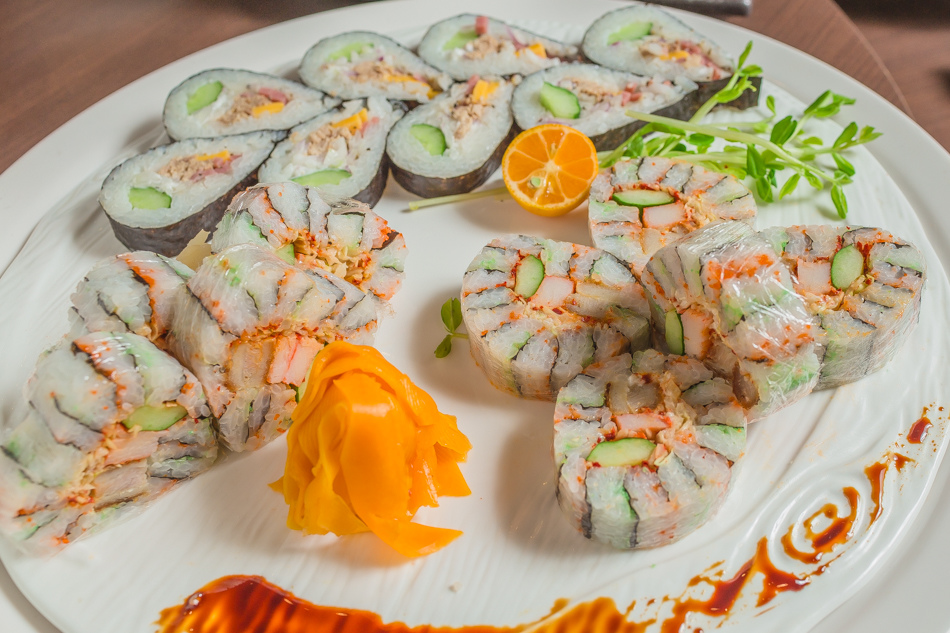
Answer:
(150, 418)
(347, 51)
(322, 177)
(149, 198)
(528, 277)
(629, 451)
(630, 32)
(674, 333)
(431, 137)
(642, 198)
(560, 102)
(286, 253)
(846, 266)
(204, 96)
(460, 39)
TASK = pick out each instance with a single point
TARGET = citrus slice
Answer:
(548, 169)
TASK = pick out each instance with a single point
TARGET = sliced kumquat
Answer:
(548, 169)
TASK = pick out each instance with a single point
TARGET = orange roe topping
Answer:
(367, 449)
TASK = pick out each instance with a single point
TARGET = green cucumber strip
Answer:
(322, 177)
(674, 333)
(630, 32)
(905, 257)
(847, 265)
(155, 418)
(528, 277)
(149, 198)
(347, 51)
(460, 39)
(204, 96)
(286, 253)
(629, 451)
(560, 102)
(431, 137)
(642, 198)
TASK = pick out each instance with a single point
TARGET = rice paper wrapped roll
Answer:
(361, 64)
(539, 311)
(455, 142)
(249, 326)
(159, 200)
(638, 206)
(644, 448)
(595, 100)
(864, 284)
(131, 292)
(342, 153)
(722, 295)
(649, 41)
(112, 423)
(224, 101)
(468, 44)
(343, 237)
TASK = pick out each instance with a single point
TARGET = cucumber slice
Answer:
(847, 265)
(347, 51)
(642, 198)
(204, 96)
(149, 198)
(560, 102)
(674, 333)
(155, 418)
(322, 177)
(630, 32)
(286, 253)
(629, 451)
(431, 138)
(905, 257)
(460, 39)
(528, 277)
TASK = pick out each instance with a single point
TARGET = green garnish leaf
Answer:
(783, 130)
(752, 71)
(847, 135)
(452, 314)
(754, 163)
(444, 348)
(813, 180)
(811, 140)
(789, 185)
(745, 55)
(841, 202)
(764, 188)
(770, 103)
(843, 164)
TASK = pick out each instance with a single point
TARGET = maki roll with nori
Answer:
(345, 238)
(638, 465)
(361, 64)
(595, 100)
(649, 41)
(865, 286)
(467, 45)
(723, 295)
(112, 423)
(159, 200)
(222, 101)
(341, 153)
(132, 292)
(455, 142)
(249, 324)
(539, 311)
(638, 206)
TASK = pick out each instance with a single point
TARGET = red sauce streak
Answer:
(900, 461)
(875, 474)
(919, 430)
(250, 604)
(838, 531)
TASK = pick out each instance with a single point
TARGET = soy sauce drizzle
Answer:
(919, 430)
(838, 531)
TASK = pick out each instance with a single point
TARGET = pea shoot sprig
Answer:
(757, 149)
(451, 320)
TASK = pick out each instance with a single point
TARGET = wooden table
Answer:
(62, 56)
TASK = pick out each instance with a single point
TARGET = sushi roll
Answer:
(132, 292)
(864, 284)
(638, 463)
(223, 101)
(467, 45)
(722, 295)
(455, 142)
(638, 206)
(539, 311)
(341, 153)
(249, 325)
(159, 200)
(595, 100)
(112, 423)
(649, 41)
(361, 64)
(344, 238)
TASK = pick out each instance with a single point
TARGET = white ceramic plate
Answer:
(518, 555)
